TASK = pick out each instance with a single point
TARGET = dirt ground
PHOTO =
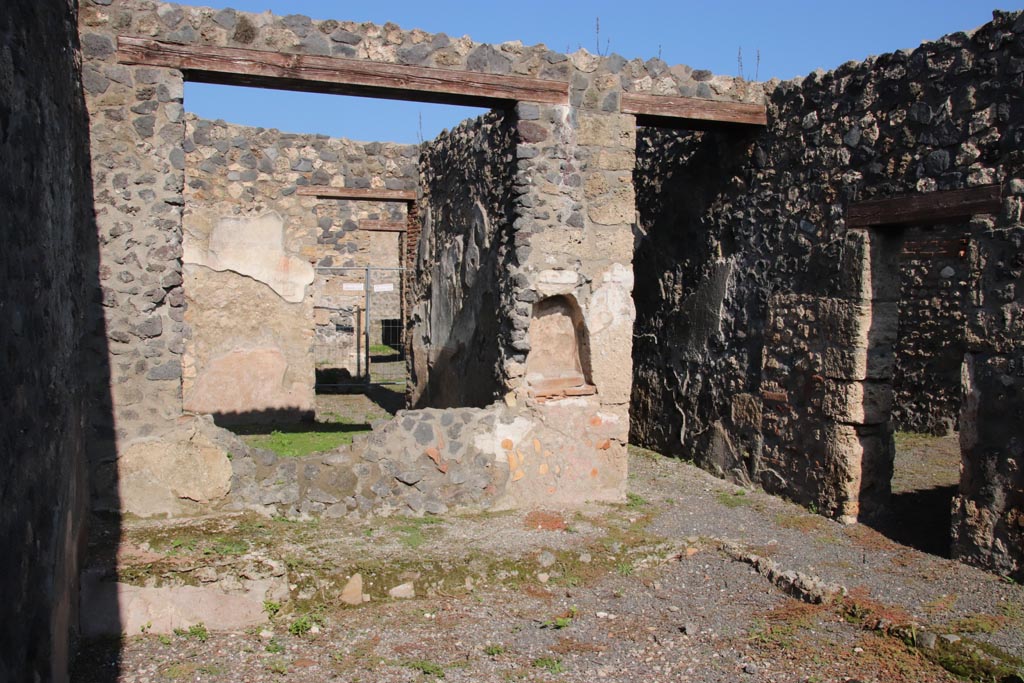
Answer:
(661, 588)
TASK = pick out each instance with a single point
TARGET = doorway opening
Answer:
(295, 252)
(920, 286)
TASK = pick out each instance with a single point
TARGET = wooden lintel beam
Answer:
(383, 226)
(928, 208)
(337, 75)
(369, 194)
(691, 112)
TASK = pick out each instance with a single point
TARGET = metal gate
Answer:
(359, 332)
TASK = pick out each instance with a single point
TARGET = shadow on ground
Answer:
(920, 519)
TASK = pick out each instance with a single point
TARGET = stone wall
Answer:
(564, 342)
(463, 286)
(138, 140)
(768, 327)
(931, 341)
(252, 246)
(48, 320)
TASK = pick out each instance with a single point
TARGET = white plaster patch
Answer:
(513, 431)
(619, 273)
(254, 247)
(555, 282)
(611, 305)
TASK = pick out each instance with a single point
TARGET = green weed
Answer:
(562, 621)
(635, 501)
(549, 664)
(425, 667)
(194, 632)
(278, 666)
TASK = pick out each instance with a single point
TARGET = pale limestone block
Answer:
(858, 402)
(609, 317)
(111, 609)
(606, 130)
(616, 207)
(553, 282)
(174, 475)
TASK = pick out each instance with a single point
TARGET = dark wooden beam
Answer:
(336, 75)
(690, 112)
(383, 226)
(368, 194)
(928, 208)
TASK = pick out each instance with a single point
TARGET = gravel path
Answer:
(691, 580)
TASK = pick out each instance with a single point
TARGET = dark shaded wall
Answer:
(760, 347)
(47, 281)
(461, 328)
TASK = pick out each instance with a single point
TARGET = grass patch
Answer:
(550, 664)
(227, 546)
(976, 661)
(303, 624)
(425, 667)
(278, 666)
(294, 444)
(734, 500)
(562, 620)
(634, 501)
(915, 440)
(979, 623)
(1014, 611)
(412, 530)
(382, 350)
(194, 632)
(494, 650)
(800, 522)
(778, 628)
(188, 670)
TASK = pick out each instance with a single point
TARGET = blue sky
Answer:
(793, 37)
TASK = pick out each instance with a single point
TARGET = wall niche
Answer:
(558, 365)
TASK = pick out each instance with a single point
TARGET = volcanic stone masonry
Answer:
(566, 209)
(49, 320)
(263, 264)
(773, 343)
(770, 335)
(771, 338)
